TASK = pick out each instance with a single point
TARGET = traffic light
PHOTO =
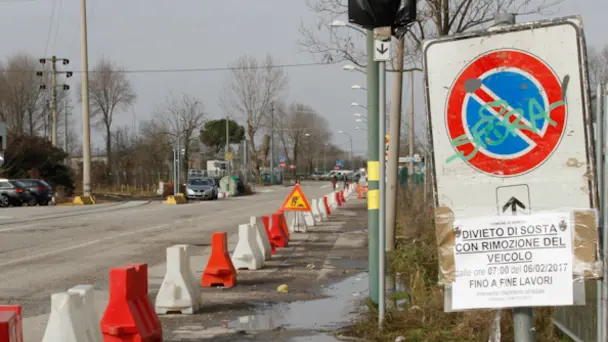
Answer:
(370, 14)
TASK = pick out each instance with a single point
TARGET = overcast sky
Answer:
(157, 34)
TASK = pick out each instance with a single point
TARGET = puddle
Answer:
(327, 313)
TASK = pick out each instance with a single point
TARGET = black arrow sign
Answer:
(382, 49)
(513, 203)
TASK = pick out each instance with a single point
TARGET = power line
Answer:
(50, 30)
(179, 70)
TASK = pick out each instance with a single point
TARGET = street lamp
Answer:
(356, 86)
(355, 104)
(359, 115)
(360, 120)
(351, 146)
(360, 129)
(350, 67)
(340, 23)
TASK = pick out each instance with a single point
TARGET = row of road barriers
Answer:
(130, 314)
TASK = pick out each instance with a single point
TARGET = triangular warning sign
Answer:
(296, 201)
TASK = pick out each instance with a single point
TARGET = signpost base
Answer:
(523, 325)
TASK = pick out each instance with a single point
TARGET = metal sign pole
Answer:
(603, 146)
(382, 199)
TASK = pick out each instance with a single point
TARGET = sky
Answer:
(203, 34)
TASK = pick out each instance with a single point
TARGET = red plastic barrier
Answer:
(16, 309)
(277, 234)
(284, 226)
(8, 327)
(266, 220)
(219, 270)
(342, 196)
(338, 199)
(326, 205)
(130, 316)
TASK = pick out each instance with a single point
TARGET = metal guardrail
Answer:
(580, 322)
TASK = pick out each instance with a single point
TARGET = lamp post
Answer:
(351, 146)
(356, 86)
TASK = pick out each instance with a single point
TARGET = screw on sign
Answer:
(506, 113)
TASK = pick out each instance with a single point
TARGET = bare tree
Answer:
(109, 90)
(598, 65)
(182, 117)
(435, 18)
(252, 89)
(21, 100)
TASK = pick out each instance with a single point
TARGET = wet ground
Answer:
(314, 320)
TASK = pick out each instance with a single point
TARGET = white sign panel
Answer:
(508, 112)
(504, 262)
(382, 50)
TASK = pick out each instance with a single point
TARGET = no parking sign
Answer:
(508, 113)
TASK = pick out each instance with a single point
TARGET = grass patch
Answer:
(414, 262)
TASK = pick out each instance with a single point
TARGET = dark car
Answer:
(13, 192)
(41, 191)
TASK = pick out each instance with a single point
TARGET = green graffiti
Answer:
(488, 126)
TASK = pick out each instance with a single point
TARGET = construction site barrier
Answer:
(219, 271)
(247, 253)
(84, 200)
(261, 238)
(129, 315)
(16, 310)
(266, 221)
(176, 294)
(175, 199)
(8, 326)
(277, 233)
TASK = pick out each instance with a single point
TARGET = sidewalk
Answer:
(329, 252)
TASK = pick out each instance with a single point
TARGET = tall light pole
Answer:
(356, 86)
(86, 126)
(351, 147)
(373, 145)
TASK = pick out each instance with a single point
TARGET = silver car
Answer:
(201, 188)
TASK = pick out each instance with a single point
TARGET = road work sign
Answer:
(296, 201)
(508, 112)
(504, 262)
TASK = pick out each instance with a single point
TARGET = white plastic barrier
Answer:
(66, 322)
(89, 313)
(261, 238)
(309, 219)
(298, 223)
(333, 204)
(190, 277)
(176, 294)
(322, 209)
(315, 211)
(247, 254)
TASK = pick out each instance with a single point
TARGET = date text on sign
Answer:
(505, 262)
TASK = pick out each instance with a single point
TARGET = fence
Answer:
(581, 322)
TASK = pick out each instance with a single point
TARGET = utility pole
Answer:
(412, 131)
(227, 148)
(54, 87)
(65, 125)
(392, 166)
(86, 126)
(272, 144)
(373, 165)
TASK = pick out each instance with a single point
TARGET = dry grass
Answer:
(422, 318)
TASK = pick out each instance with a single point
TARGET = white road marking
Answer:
(90, 243)
(20, 227)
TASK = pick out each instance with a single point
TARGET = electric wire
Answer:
(50, 29)
(210, 69)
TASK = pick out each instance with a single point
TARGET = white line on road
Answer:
(20, 227)
(92, 242)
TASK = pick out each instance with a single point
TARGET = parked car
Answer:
(41, 191)
(13, 192)
(316, 175)
(201, 188)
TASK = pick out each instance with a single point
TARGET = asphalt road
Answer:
(44, 250)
